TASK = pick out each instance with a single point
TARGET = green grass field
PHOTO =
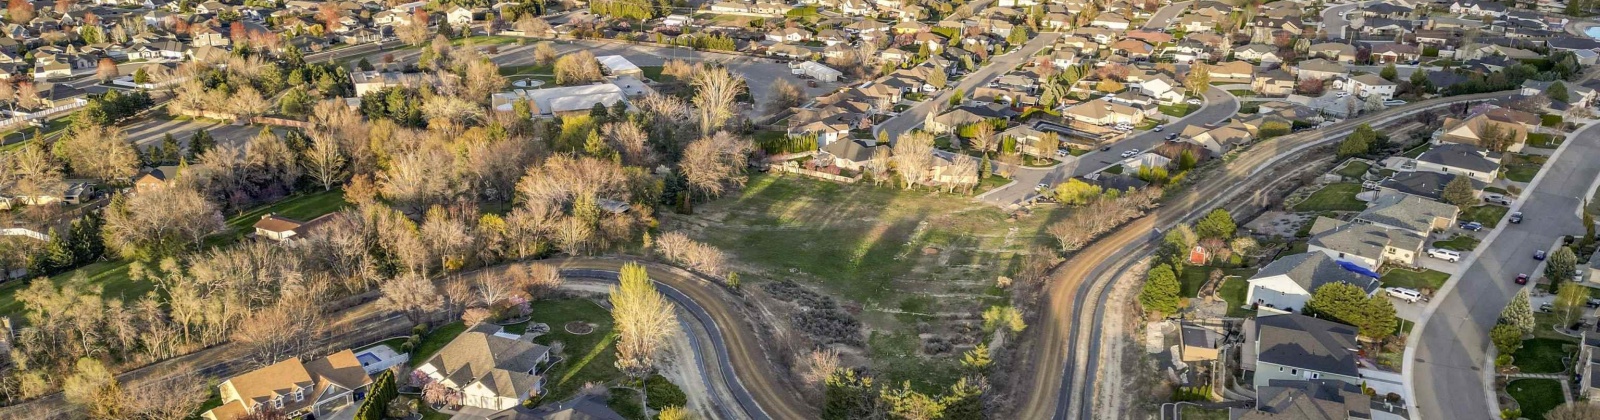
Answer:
(590, 357)
(1544, 140)
(1461, 243)
(1488, 215)
(1354, 170)
(1194, 277)
(1549, 120)
(1334, 197)
(1178, 111)
(435, 340)
(1536, 396)
(1543, 355)
(1523, 167)
(1233, 291)
(1414, 280)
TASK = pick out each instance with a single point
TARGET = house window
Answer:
(1280, 368)
(299, 394)
(277, 402)
(1294, 371)
(1316, 375)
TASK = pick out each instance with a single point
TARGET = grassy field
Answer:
(1233, 291)
(589, 358)
(527, 69)
(435, 340)
(1544, 140)
(872, 247)
(1536, 396)
(1354, 170)
(1178, 111)
(1543, 355)
(1522, 168)
(1414, 280)
(1194, 277)
(1488, 215)
(1549, 120)
(1334, 197)
(1461, 243)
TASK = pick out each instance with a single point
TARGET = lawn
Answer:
(1544, 140)
(992, 182)
(1233, 291)
(1418, 151)
(1179, 110)
(435, 340)
(1486, 214)
(1334, 197)
(527, 69)
(898, 353)
(1542, 355)
(1463, 243)
(1195, 276)
(1414, 280)
(1522, 168)
(1242, 93)
(1354, 170)
(1550, 120)
(1196, 413)
(651, 72)
(588, 358)
(1536, 396)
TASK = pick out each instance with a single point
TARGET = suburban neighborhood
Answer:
(836, 209)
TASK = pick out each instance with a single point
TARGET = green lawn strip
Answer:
(1180, 110)
(1233, 291)
(589, 357)
(1549, 120)
(302, 207)
(1544, 328)
(1542, 355)
(1196, 413)
(1414, 280)
(1334, 197)
(990, 183)
(1463, 243)
(1524, 167)
(435, 340)
(1544, 140)
(651, 72)
(1536, 396)
(1354, 170)
(112, 276)
(527, 69)
(1194, 277)
(1418, 151)
(1488, 215)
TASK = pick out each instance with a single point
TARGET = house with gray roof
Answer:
(1461, 159)
(491, 368)
(1364, 244)
(852, 155)
(1299, 347)
(1428, 185)
(1287, 284)
(1313, 399)
(1416, 214)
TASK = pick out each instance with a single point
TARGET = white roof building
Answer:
(617, 65)
(565, 99)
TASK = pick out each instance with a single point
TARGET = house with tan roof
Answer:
(1235, 71)
(280, 229)
(1334, 51)
(1260, 53)
(1101, 112)
(491, 368)
(1320, 69)
(1471, 130)
(319, 388)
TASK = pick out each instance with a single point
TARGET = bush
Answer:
(661, 393)
(829, 326)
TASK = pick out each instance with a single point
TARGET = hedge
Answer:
(383, 390)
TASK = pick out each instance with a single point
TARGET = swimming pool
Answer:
(367, 358)
(1592, 32)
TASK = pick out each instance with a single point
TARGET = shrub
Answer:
(661, 393)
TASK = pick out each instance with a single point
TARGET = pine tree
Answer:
(977, 360)
(1216, 224)
(200, 143)
(1557, 92)
(983, 167)
(58, 254)
(1560, 265)
(87, 245)
(1459, 191)
(169, 149)
(1160, 291)
(1389, 73)
(1377, 319)
(848, 396)
(964, 401)
(1519, 313)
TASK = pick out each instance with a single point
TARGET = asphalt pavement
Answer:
(1335, 24)
(999, 65)
(1168, 14)
(1451, 352)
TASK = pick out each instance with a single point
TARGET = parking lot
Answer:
(149, 132)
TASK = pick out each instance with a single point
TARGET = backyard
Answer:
(1355, 169)
(1233, 291)
(1536, 396)
(876, 249)
(1414, 280)
(1334, 197)
(1194, 277)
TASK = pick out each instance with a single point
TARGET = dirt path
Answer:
(1116, 392)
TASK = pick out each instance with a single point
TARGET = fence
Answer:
(792, 168)
(9, 123)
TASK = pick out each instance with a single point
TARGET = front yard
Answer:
(1178, 110)
(1544, 140)
(1414, 280)
(1536, 396)
(1543, 355)
(1463, 243)
(1488, 215)
(1522, 168)
(1334, 197)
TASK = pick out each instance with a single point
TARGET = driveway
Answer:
(1448, 351)
(913, 117)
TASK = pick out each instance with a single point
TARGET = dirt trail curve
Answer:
(756, 382)
(1056, 363)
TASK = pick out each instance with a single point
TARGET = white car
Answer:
(1408, 295)
(1341, 94)
(1159, 128)
(1193, 101)
(1444, 254)
(1130, 153)
(1394, 102)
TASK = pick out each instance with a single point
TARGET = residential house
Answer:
(570, 100)
(1334, 51)
(1511, 134)
(1364, 244)
(206, 36)
(1028, 138)
(827, 132)
(1260, 53)
(1287, 284)
(1408, 212)
(789, 35)
(1576, 94)
(1395, 53)
(1318, 68)
(852, 155)
(1299, 347)
(1101, 112)
(796, 51)
(458, 16)
(1461, 159)
(1133, 48)
(1488, 50)
(155, 178)
(490, 368)
(1232, 71)
(1385, 10)
(1161, 87)
(1275, 82)
(1218, 139)
(1198, 23)
(1588, 362)
(1110, 21)
(1199, 343)
(1478, 8)
(1307, 399)
(317, 388)
(961, 116)
(1428, 185)
(1369, 84)
(281, 229)
(371, 81)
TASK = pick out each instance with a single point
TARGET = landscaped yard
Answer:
(1549, 120)
(1488, 215)
(1193, 277)
(1414, 280)
(1522, 168)
(1461, 243)
(1355, 169)
(1179, 110)
(1196, 413)
(1536, 396)
(589, 358)
(1418, 151)
(1233, 291)
(1334, 197)
(1542, 355)
(1544, 140)
(435, 340)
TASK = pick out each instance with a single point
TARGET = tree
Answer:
(577, 68)
(1359, 142)
(1557, 92)
(713, 163)
(674, 413)
(1342, 302)
(1159, 294)
(1459, 192)
(1519, 313)
(716, 92)
(1216, 224)
(784, 95)
(94, 389)
(1576, 410)
(1076, 192)
(19, 11)
(908, 404)
(159, 223)
(1569, 303)
(544, 54)
(818, 366)
(1506, 338)
(1198, 79)
(643, 319)
(1389, 73)
(1048, 145)
(1007, 317)
(977, 360)
(849, 396)
(323, 162)
(913, 157)
(412, 294)
(1560, 265)
(94, 151)
(1377, 318)
(106, 70)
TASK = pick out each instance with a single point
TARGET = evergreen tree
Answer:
(1389, 73)
(1216, 224)
(1519, 313)
(1342, 302)
(848, 396)
(1560, 265)
(200, 143)
(170, 150)
(58, 254)
(1160, 291)
(1459, 191)
(965, 400)
(87, 245)
(977, 360)
(364, 65)
(983, 167)
(1377, 318)
(1507, 339)
(1557, 92)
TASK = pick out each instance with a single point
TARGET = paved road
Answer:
(1449, 358)
(1219, 106)
(1167, 15)
(754, 380)
(912, 118)
(1059, 359)
(1335, 24)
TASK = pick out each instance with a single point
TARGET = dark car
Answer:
(1539, 255)
(1472, 226)
(1522, 279)
(1516, 217)
(1108, 147)
(1173, 136)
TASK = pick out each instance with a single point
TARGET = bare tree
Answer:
(631, 141)
(323, 162)
(677, 248)
(544, 54)
(482, 79)
(29, 172)
(281, 330)
(541, 279)
(643, 318)
(785, 95)
(412, 294)
(963, 172)
(982, 137)
(1576, 410)
(95, 389)
(913, 157)
(176, 395)
(817, 366)
(713, 163)
(577, 68)
(159, 222)
(531, 25)
(98, 152)
(106, 70)
(716, 92)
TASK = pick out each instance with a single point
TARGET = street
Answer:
(1164, 17)
(912, 118)
(1446, 361)
(1334, 22)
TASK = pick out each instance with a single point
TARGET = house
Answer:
(826, 132)
(789, 35)
(372, 81)
(155, 178)
(1163, 88)
(817, 71)
(1307, 399)
(1028, 139)
(1364, 244)
(1198, 342)
(1588, 363)
(458, 16)
(967, 114)
(319, 388)
(1512, 135)
(1369, 84)
(1102, 112)
(617, 65)
(581, 407)
(852, 155)
(1576, 94)
(1110, 21)
(1408, 212)
(1395, 53)
(1319, 69)
(1478, 8)
(1133, 48)
(490, 368)
(1236, 71)
(1428, 185)
(1260, 53)
(1275, 82)
(568, 100)
(1219, 139)
(1334, 51)
(280, 229)
(1287, 284)
(1299, 347)
(1461, 159)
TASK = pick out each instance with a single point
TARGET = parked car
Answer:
(811, 83)
(1408, 295)
(1546, 307)
(1130, 153)
(1472, 226)
(1522, 279)
(1493, 198)
(1044, 186)
(1592, 303)
(1444, 254)
(1193, 101)
(1516, 217)
(1394, 102)
(1160, 127)
(1539, 255)
(1105, 148)
(1341, 94)
(1172, 137)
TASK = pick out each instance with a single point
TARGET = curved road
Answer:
(754, 380)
